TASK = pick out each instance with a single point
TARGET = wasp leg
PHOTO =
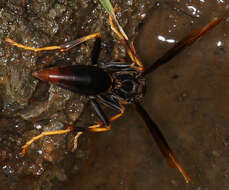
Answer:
(102, 116)
(162, 143)
(181, 45)
(110, 101)
(49, 133)
(130, 47)
(117, 66)
(96, 51)
(73, 43)
(75, 144)
(63, 47)
(94, 128)
(98, 127)
(99, 112)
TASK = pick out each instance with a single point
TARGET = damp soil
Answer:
(187, 98)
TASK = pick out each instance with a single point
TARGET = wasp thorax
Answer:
(129, 86)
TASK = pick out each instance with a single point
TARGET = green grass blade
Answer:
(109, 8)
(107, 5)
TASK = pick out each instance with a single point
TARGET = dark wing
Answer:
(162, 143)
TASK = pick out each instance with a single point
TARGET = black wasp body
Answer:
(118, 80)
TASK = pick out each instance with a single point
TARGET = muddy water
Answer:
(187, 98)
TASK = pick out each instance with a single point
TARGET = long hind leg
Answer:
(62, 47)
(50, 133)
(102, 126)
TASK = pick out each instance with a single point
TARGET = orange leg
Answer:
(94, 128)
(76, 140)
(46, 133)
(130, 47)
(98, 127)
(63, 47)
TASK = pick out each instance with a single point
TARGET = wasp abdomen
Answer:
(84, 79)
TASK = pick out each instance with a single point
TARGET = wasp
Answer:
(114, 84)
